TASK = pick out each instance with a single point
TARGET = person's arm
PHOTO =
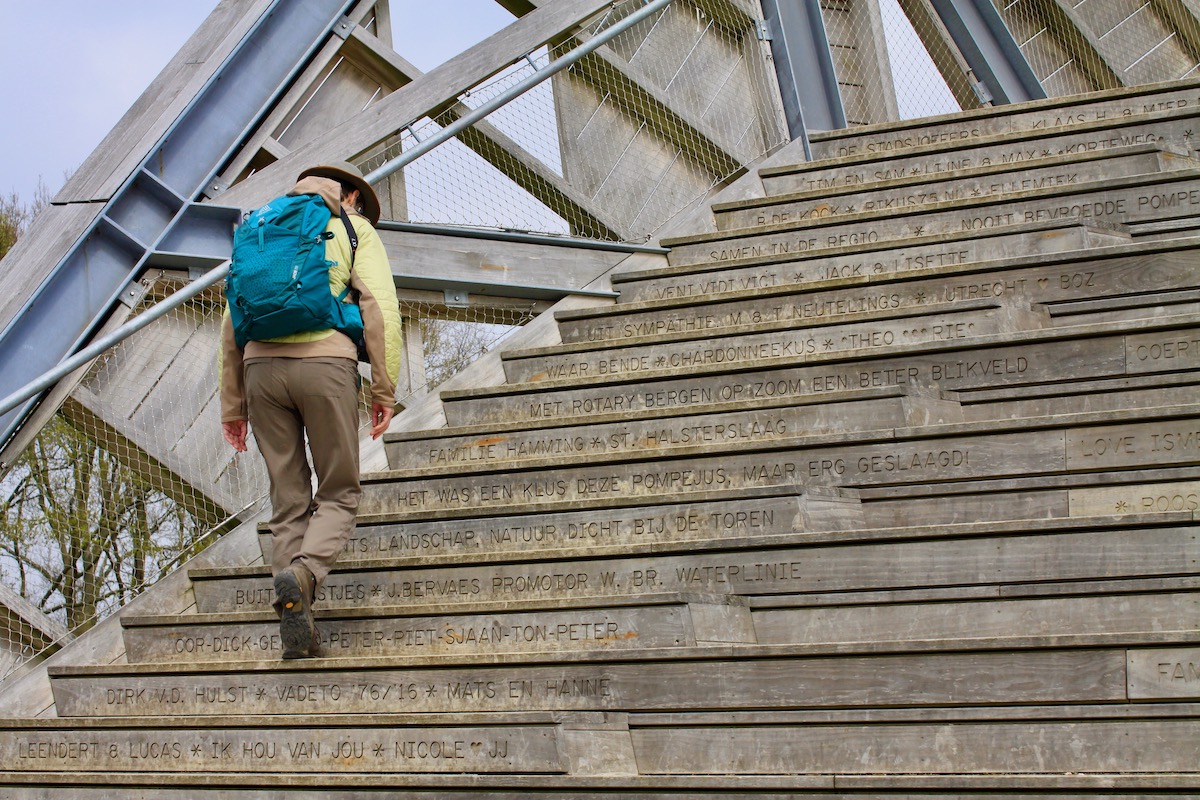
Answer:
(372, 280)
(234, 414)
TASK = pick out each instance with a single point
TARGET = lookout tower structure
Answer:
(841, 446)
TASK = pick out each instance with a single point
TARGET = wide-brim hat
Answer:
(346, 172)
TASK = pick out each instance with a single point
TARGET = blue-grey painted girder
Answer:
(990, 51)
(808, 81)
(804, 67)
(156, 219)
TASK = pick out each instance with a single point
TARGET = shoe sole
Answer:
(295, 621)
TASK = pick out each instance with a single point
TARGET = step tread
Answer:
(1124, 152)
(1007, 137)
(594, 420)
(447, 609)
(733, 331)
(601, 787)
(1093, 187)
(1034, 228)
(739, 653)
(1085, 330)
(808, 441)
(994, 268)
(1156, 380)
(1128, 99)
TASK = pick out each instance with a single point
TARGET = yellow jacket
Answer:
(371, 280)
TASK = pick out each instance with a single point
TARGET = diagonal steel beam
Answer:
(153, 219)
(988, 47)
(942, 51)
(808, 81)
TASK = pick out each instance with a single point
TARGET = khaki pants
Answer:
(287, 398)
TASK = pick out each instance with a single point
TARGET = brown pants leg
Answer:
(288, 398)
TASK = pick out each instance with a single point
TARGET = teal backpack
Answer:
(278, 280)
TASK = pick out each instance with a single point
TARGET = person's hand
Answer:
(381, 417)
(235, 433)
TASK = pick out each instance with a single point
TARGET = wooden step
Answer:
(860, 263)
(1153, 438)
(651, 433)
(949, 556)
(1096, 281)
(851, 328)
(1031, 671)
(1168, 128)
(634, 524)
(601, 754)
(1039, 115)
(796, 620)
(303, 744)
(656, 621)
(1122, 492)
(1062, 746)
(1154, 344)
(1119, 201)
(878, 785)
(908, 192)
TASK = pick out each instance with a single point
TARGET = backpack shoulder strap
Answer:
(351, 233)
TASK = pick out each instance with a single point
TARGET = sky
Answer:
(69, 81)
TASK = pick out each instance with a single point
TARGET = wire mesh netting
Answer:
(99, 506)
(1082, 46)
(613, 146)
(1071, 47)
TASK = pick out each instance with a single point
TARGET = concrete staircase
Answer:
(883, 484)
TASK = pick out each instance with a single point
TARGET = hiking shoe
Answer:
(293, 591)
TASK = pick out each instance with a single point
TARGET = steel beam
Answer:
(994, 57)
(804, 66)
(155, 217)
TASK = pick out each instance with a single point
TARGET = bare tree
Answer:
(16, 214)
(451, 345)
(82, 531)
